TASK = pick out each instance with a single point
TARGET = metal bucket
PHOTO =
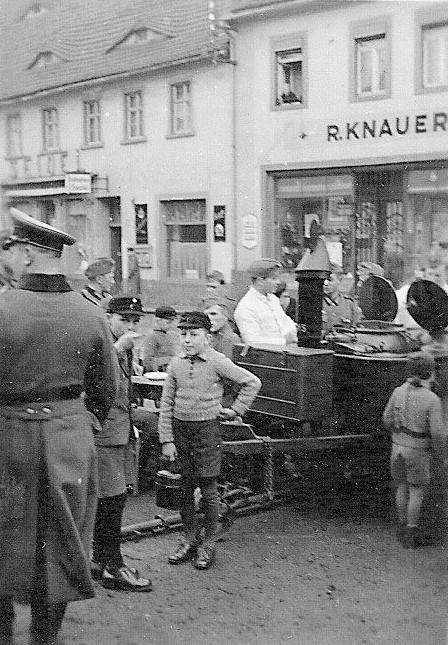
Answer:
(168, 487)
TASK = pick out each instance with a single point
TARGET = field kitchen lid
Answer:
(377, 299)
(428, 305)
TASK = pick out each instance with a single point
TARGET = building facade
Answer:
(118, 129)
(342, 117)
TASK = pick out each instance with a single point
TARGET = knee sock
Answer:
(415, 504)
(210, 501)
(188, 511)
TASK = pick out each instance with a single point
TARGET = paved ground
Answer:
(285, 576)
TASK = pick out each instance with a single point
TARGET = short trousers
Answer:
(410, 465)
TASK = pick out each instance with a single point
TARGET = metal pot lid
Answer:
(377, 299)
(427, 303)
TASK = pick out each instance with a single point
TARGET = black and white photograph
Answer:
(223, 322)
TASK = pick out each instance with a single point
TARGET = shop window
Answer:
(180, 108)
(50, 130)
(92, 123)
(435, 56)
(371, 60)
(133, 116)
(14, 135)
(186, 238)
(289, 71)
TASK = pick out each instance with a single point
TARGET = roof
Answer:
(85, 35)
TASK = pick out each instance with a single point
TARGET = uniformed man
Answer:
(162, 342)
(259, 315)
(337, 308)
(54, 346)
(7, 280)
(100, 276)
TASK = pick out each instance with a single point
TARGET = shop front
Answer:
(394, 215)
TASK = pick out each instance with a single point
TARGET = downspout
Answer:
(234, 162)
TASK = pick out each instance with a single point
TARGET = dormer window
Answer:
(44, 59)
(138, 37)
(34, 11)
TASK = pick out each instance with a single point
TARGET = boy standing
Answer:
(414, 417)
(189, 427)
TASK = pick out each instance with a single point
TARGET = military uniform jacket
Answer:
(53, 344)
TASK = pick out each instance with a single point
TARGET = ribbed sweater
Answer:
(194, 386)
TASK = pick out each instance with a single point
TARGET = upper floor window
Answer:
(133, 116)
(181, 121)
(14, 135)
(92, 123)
(435, 56)
(289, 71)
(371, 66)
(371, 60)
(50, 129)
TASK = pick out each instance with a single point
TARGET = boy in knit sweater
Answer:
(414, 417)
(189, 428)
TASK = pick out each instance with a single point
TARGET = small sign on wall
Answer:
(78, 182)
(141, 223)
(250, 231)
(219, 223)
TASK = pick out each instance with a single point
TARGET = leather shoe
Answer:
(184, 552)
(125, 579)
(205, 557)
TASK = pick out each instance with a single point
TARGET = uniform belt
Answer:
(411, 433)
(54, 394)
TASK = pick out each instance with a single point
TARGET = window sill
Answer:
(128, 142)
(288, 106)
(180, 135)
(17, 157)
(92, 146)
(431, 90)
(373, 97)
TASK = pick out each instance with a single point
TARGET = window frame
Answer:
(55, 124)
(173, 133)
(128, 111)
(87, 118)
(426, 19)
(365, 31)
(285, 44)
(10, 153)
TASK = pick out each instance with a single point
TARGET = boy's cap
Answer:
(421, 365)
(213, 301)
(29, 230)
(165, 312)
(125, 305)
(195, 320)
(216, 275)
(263, 267)
(102, 266)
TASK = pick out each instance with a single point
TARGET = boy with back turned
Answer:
(189, 428)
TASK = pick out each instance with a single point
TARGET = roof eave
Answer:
(301, 6)
(105, 78)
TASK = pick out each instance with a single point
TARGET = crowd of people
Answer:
(69, 423)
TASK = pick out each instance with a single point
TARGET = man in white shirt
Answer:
(259, 315)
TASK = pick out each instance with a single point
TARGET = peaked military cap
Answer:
(101, 266)
(125, 305)
(372, 267)
(216, 276)
(165, 312)
(263, 267)
(29, 230)
(195, 320)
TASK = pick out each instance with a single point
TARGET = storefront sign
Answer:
(78, 182)
(250, 231)
(395, 126)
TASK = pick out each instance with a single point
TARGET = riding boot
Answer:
(6, 621)
(46, 621)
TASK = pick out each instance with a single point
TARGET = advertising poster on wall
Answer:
(219, 223)
(141, 223)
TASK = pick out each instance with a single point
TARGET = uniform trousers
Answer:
(107, 531)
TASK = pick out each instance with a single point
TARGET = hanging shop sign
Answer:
(250, 231)
(400, 125)
(78, 182)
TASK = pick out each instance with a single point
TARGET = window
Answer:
(435, 56)
(50, 129)
(133, 116)
(186, 238)
(371, 60)
(289, 76)
(92, 125)
(14, 135)
(371, 66)
(289, 80)
(181, 108)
